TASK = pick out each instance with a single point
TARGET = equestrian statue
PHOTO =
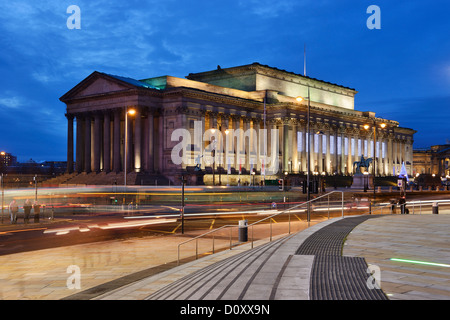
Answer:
(363, 163)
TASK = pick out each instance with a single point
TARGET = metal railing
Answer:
(382, 208)
(259, 221)
(419, 206)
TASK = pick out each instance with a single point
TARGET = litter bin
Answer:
(435, 208)
(243, 231)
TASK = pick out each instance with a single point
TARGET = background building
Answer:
(434, 160)
(246, 97)
(7, 160)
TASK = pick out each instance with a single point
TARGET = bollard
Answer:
(243, 231)
(435, 208)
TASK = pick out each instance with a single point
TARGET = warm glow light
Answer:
(383, 125)
(2, 153)
(299, 99)
(366, 126)
(132, 112)
(227, 131)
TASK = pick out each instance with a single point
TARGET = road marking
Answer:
(212, 224)
(173, 231)
(22, 230)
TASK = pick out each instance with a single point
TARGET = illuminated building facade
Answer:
(250, 97)
(435, 160)
(7, 159)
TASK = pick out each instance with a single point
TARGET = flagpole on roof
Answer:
(304, 60)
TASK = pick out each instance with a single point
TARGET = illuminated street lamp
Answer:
(367, 127)
(130, 112)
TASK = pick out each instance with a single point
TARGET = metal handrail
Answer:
(251, 225)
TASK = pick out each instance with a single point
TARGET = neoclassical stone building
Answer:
(252, 98)
(434, 160)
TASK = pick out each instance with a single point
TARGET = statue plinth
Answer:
(360, 180)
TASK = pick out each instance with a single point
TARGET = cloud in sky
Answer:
(10, 101)
(403, 66)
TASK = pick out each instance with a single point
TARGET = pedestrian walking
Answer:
(13, 210)
(26, 211)
(37, 211)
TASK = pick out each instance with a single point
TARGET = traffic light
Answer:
(280, 184)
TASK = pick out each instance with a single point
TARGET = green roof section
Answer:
(134, 82)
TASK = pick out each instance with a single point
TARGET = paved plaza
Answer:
(144, 268)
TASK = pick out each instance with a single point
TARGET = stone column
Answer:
(312, 149)
(107, 142)
(295, 158)
(97, 142)
(69, 143)
(320, 154)
(160, 145)
(80, 145)
(303, 154)
(87, 144)
(342, 157)
(395, 154)
(129, 137)
(229, 144)
(275, 148)
(117, 161)
(285, 151)
(150, 143)
(246, 142)
(389, 155)
(256, 143)
(402, 148)
(377, 152)
(382, 158)
(238, 146)
(328, 154)
(349, 156)
(336, 156)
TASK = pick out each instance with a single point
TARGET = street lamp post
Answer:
(308, 151)
(226, 158)
(131, 112)
(366, 126)
(183, 182)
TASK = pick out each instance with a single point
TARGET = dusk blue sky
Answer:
(401, 71)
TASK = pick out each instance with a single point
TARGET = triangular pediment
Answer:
(97, 84)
